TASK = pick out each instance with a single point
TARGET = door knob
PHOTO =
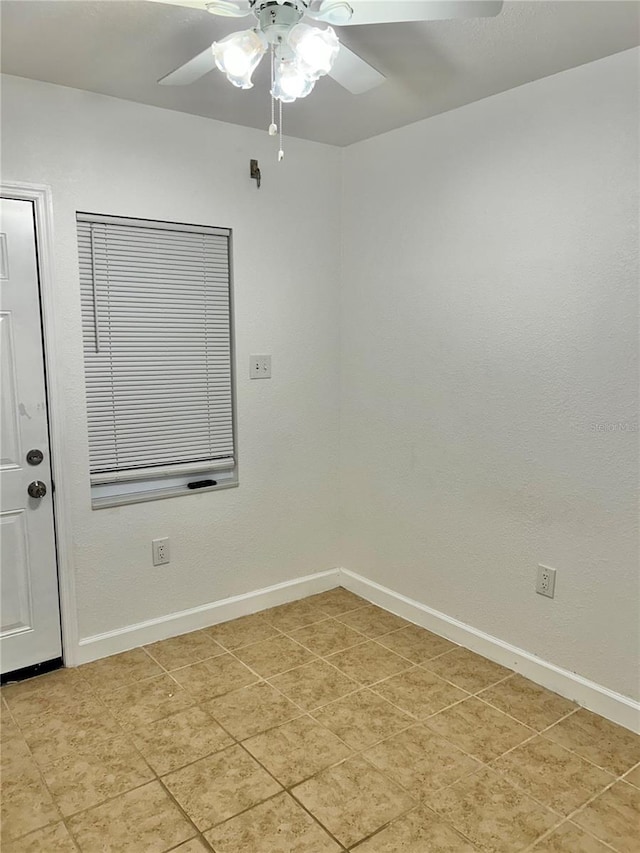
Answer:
(37, 489)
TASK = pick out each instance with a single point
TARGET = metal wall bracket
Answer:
(255, 172)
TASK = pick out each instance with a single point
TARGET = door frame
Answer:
(41, 197)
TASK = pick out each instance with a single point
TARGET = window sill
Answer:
(155, 495)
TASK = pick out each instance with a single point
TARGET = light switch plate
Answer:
(260, 367)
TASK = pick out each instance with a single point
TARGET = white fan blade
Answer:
(226, 8)
(191, 71)
(399, 11)
(335, 12)
(352, 72)
(194, 4)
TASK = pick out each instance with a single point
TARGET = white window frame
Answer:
(116, 488)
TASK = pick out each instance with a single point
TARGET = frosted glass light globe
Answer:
(238, 55)
(315, 49)
(236, 61)
(291, 82)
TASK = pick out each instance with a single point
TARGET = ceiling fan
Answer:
(301, 53)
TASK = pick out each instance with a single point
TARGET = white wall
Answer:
(489, 317)
(489, 305)
(103, 155)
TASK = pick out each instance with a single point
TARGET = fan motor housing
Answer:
(276, 19)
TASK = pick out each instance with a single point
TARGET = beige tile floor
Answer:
(322, 725)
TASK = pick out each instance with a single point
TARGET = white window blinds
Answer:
(157, 347)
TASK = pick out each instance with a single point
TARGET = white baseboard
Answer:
(614, 706)
(123, 639)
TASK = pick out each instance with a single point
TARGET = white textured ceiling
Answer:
(122, 47)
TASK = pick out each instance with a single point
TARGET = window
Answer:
(157, 333)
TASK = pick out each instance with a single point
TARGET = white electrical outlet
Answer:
(546, 584)
(260, 367)
(160, 550)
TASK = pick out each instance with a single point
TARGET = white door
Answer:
(30, 626)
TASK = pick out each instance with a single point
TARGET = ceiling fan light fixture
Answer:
(315, 49)
(290, 81)
(238, 55)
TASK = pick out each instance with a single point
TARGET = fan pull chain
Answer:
(281, 151)
(273, 127)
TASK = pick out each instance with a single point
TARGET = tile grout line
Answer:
(531, 848)
(587, 803)
(199, 833)
(283, 788)
(199, 837)
(420, 805)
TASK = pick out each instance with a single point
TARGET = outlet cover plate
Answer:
(546, 582)
(160, 551)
